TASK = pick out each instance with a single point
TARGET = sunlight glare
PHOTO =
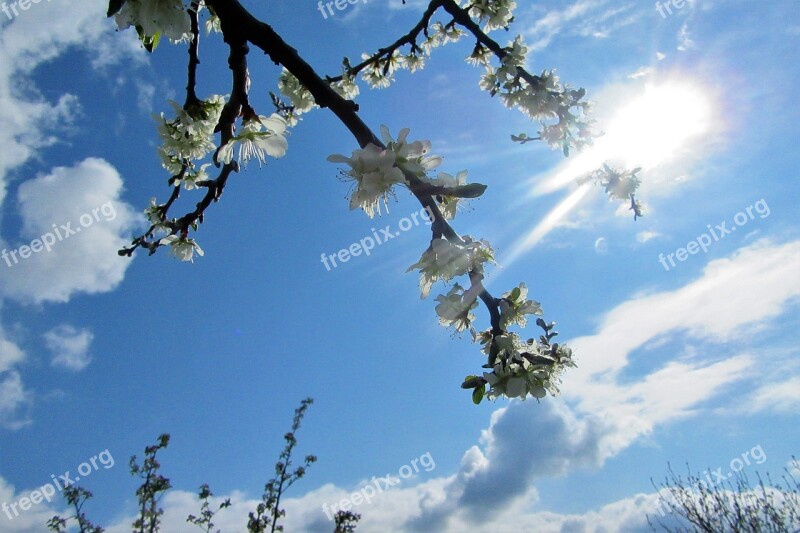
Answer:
(649, 131)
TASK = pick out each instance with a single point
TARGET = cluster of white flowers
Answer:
(346, 87)
(260, 137)
(376, 171)
(618, 184)
(545, 101)
(521, 368)
(192, 176)
(300, 98)
(379, 74)
(156, 18)
(445, 260)
(190, 135)
(183, 248)
(455, 308)
(493, 14)
(514, 305)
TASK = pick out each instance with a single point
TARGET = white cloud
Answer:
(782, 397)
(14, 401)
(31, 521)
(85, 198)
(69, 346)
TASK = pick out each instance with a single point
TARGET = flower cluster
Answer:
(190, 134)
(514, 305)
(301, 99)
(183, 248)
(376, 171)
(445, 260)
(542, 98)
(493, 14)
(455, 308)
(520, 368)
(379, 73)
(154, 19)
(618, 184)
(188, 138)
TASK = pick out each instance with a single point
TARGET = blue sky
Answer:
(692, 364)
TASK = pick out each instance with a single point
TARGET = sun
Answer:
(662, 122)
(657, 125)
(652, 127)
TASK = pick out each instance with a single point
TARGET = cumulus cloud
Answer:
(79, 208)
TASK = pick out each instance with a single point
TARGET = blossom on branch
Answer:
(494, 14)
(514, 305)
(445, 260)
(183, 248)
(261, 136)
(454, 308)
(190, 135)
(374, 172)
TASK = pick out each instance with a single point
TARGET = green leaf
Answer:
(477, 394)
(470, 382)
(471, 190)
(515, 294)
(114, 6)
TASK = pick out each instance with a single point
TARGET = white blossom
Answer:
(183, 248)
(445, 260)
(260, 137)
(301, 98)
(514, 305)
(190, 135)
(454, 308)
(167, 18)
(374, 172)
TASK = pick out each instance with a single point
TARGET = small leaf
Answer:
(471, 190)
(515, 294)
(470, 382)
(477, 394)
